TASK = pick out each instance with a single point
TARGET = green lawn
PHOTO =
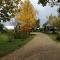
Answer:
(7, 47)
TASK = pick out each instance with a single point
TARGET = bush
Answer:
(1, 27)
(10, 34)
(20, 35)
(58, 38)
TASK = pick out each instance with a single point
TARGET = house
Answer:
(48, 28)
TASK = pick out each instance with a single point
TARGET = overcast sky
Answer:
(44, 11)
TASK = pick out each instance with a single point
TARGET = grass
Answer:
(53, 37)
(7, 47)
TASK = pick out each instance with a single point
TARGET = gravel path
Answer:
(41, 47)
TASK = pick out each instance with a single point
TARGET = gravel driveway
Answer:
(41, 47)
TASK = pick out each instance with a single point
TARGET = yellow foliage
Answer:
(27, 15)
(54, 21)
(25, 27)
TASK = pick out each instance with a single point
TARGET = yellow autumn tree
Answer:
(27, 16)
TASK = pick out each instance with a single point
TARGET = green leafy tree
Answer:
(59, 12)
(7, 9)
(38, 23)
(44, 2)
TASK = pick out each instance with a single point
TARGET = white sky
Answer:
(44, 11)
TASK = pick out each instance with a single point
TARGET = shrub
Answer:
(20, 35)
(1, 27)
(10, 34)
(58, 37)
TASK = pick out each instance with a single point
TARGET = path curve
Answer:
(41, 47)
